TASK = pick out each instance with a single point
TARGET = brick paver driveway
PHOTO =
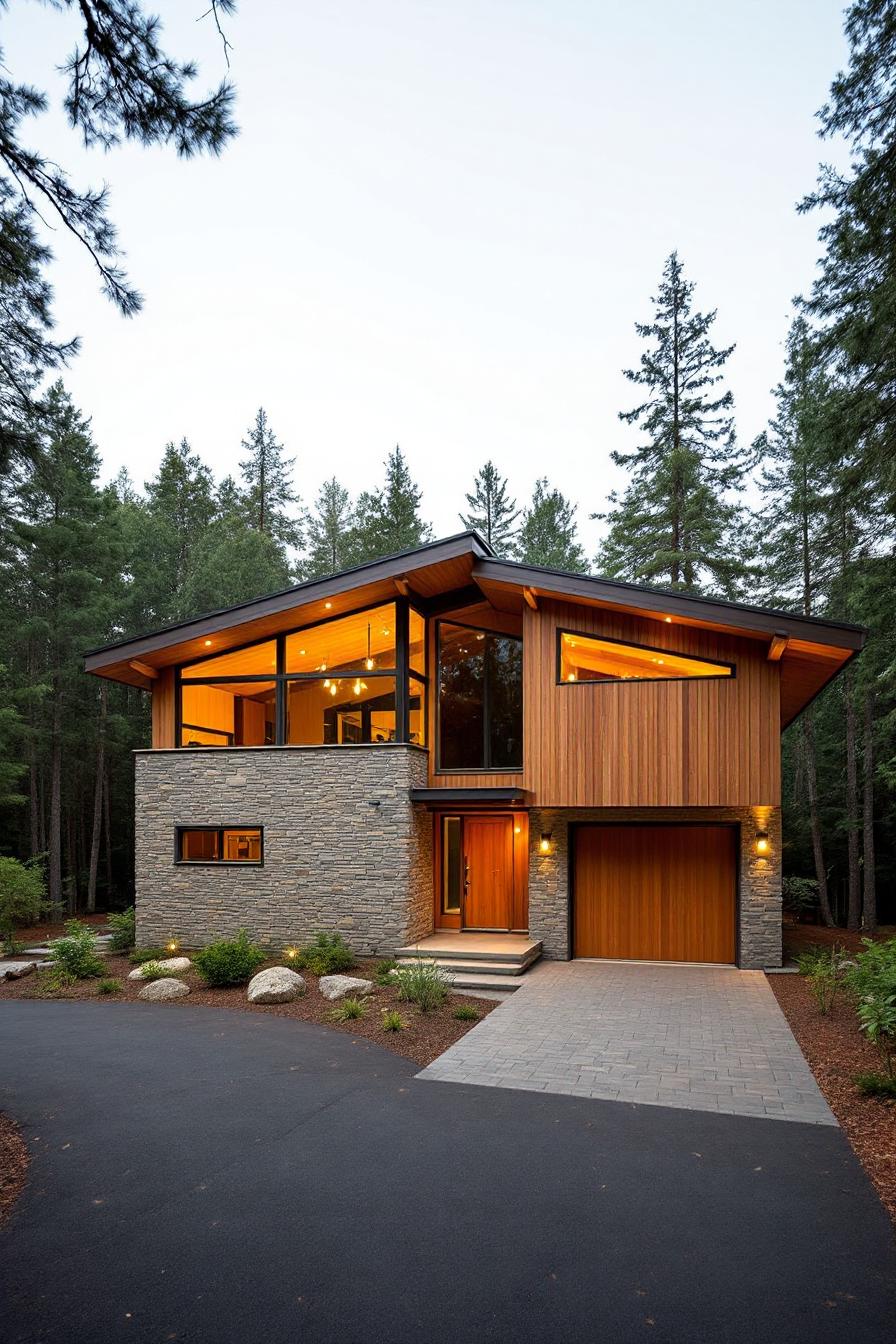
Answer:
(703, 1037)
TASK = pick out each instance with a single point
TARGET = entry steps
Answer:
(494, 961)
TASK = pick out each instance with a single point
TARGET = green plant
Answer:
(876, 1084)
(821, 967)
(465, 1012)
(153, 970)
(424, 983)
(142, 954)
(799, 895)
(23, 894)
(383, 973)
(229, 961)
(54, 978)
(75, 954)
(124, 929)
(348, 1010)
(392, 1020)
(872, 979)
(110, 986)
(12, 947)
(326, 954)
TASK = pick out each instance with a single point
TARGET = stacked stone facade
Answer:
(759, 877)
(344, 848)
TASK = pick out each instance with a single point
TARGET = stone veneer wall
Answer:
(759, 929)
(344, 848)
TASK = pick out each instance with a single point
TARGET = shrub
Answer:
(392, 1020)
(230, 961)
(75, 954)
(383, 974)
(424, 983)
(822, 971)
(142, 954)
(872, 978)
(799, 895)
(54, 978)
(876, 1084)
(110, 986)
(124, 929)
(348, 1010)
(153, 970)
(465, 1012)
(326, 954)
(23, 895)
(12, 947)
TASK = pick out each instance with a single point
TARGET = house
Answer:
(447, 741)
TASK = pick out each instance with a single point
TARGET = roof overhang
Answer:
(448, 797)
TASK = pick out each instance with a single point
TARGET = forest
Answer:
(86, 561)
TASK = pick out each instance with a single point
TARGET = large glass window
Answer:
(586, 658)
(480, 699)
(354, 679)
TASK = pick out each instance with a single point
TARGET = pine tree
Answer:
(269, 500)
(329, 532)
(492, 513)
(231, 565)
(674, 523)
(547, 536)
(388, 520)
(179, 507)
(854, 297)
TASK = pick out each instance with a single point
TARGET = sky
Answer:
(438, 227)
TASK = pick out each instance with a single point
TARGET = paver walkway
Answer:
(703, 1037)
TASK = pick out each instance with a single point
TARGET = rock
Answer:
(157, 991)
(278, 984)
(339, 986)
(14, 970)
(173, 964)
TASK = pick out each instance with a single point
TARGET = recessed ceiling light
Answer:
(208, 643)
(327, 606)
(668, 620)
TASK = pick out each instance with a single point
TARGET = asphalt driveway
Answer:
(205, 1175)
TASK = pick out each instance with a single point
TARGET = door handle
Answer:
(466, 874)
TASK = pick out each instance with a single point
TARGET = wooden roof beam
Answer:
(778, 645)
(402, 585)
(531, 598)
(144, 669)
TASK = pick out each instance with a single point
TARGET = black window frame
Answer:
(401, 673)
(219, 863)
(730, 675)
(487, 769)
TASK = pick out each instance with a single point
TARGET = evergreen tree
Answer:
(674, 522)
(547, 536)
(388, 520)
(492, 513)
(329, 532)
(179, 508)
(267, 495)
(233, 565)
(854, 297)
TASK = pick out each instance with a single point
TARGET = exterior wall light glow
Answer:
(545, 845)
(762, 845)
(172, 945)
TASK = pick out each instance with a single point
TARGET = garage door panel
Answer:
(655, 893)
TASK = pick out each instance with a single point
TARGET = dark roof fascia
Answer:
(372, 571)
(815, 629)
(450, 796)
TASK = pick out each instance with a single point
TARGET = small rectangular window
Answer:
(219, 844)
(452, 865)
(587, 658)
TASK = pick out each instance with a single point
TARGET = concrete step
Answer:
(444, 952)
(456, 968)
(506, 983)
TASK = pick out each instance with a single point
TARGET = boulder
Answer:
(157, 991)
(278, 984)
(172, 964)
(14, 970)
(340, 986)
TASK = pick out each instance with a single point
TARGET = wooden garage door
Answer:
(655, 893)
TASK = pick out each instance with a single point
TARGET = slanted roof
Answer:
(811, 650)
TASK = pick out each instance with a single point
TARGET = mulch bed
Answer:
(799, 937)
(38, 934)
(424, 1038)
(13, 1166)
(836, 1051)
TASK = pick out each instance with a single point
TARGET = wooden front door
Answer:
(488, 872)
(655, 893)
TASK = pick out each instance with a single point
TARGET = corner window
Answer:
(219, 844)
(586, 658)
(480, 699)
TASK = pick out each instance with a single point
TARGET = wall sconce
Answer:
(762, 842)
(546, 843)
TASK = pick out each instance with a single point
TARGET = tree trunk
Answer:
(97, 801)
(71, 864)
(854, 884)
(869, 893)
(107, 826)
(55, 836)
(807, 731)
(34, 801)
